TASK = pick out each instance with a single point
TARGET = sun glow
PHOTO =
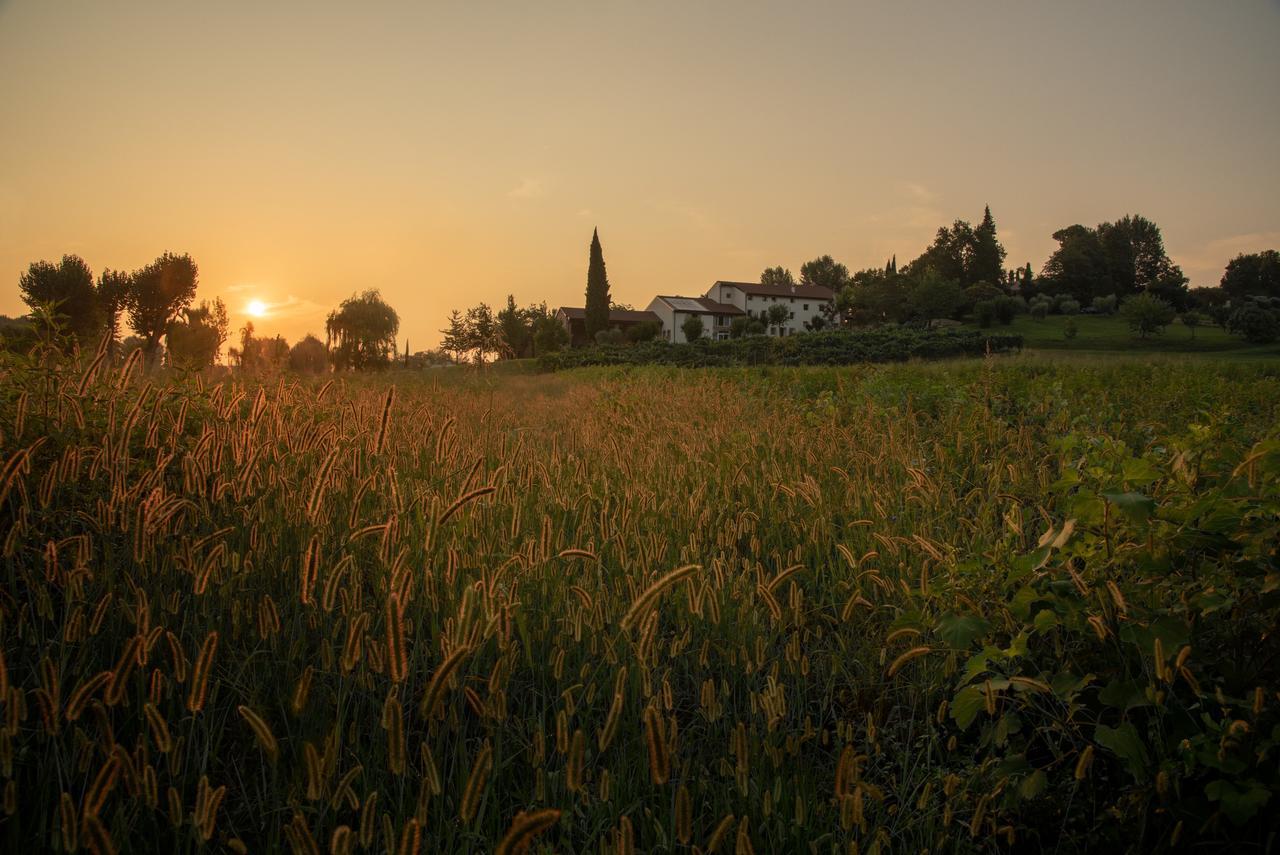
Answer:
(257, 308)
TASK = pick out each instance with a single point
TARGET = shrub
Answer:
(984, 313)
(1104, 305)
(1146, 314)
(1070, 329)
(836, 347)
(644, 331)
(1007, 308)
(1039, 308)
(1069, 307)
(612, 336)
(1256, 322)
(692, 328)
(308, 356)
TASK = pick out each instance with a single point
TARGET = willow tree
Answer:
(361, 332)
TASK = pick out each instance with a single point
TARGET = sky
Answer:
(452, 153)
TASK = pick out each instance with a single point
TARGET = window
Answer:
(793, 299)
(751, 296)
(806, 307)
(791, 315)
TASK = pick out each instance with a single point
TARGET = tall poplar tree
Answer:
(597, 290)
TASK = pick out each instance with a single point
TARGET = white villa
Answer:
(726, 300)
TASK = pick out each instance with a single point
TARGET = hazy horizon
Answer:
(455, 154)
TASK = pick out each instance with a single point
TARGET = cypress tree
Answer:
(988, 255)
(597, 290)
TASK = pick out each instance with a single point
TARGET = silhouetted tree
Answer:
(935, 296)
(308, 356)
(68, 288)
(826, 272)
(455, 337)
(1253, 275)
(157, 294)
(362, 331)
(597, 306)
(195, 339)
(777, 315)
(950, 255)
(779, 277)
(514, 331)
(1079, 266)
(113, 294)
(986, 263)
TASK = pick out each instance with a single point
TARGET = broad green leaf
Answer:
(960, 631)
(1124, 694)
(1033, 785)
(1239, 801)
(966, 705)
(1124, 742)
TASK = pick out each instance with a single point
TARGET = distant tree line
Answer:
(479, 334)
(77, 312)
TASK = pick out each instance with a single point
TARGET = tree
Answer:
(308, 356)
(1079, 265)
(1257, 319)
(455, 337)
(68, 288)
(1191, 320)
(361, 332)
(778, 277)
(113, 293)
(986, 263)
(950, 255)
(692, 328)
(872, 296)
(825, 272)
(513, 331)
(643, 331)
(1147, 314)
(935, 296)
(549, 334)
(777, 315)
(483, 335)
(597, 289)
(1257, 274)
(157, 294)
(1137, 261)
(196, 338)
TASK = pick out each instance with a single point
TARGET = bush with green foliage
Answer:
(1039, 309)
(1008, 308)
(1146, 314)
(643, 331)
(1104, 305)
(837, 347)
(611, 336)
(984, 313)
(692, 328)
(1257, 320)
(1069, 307)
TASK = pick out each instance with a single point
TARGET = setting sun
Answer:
(257, 308)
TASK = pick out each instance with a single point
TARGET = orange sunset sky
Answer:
(448, 153)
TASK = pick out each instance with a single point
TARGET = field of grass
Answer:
(1111, 333)
(1011, 604)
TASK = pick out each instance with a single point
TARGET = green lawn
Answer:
(1111, 333)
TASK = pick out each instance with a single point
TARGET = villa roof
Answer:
(812, 292)
(711, 307)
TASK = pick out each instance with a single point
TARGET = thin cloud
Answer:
(528, 188)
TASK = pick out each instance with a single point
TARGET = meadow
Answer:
(1010, 603)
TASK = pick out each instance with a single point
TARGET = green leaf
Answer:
(966, 705)
(961, 631)
(1124, 694)
(1033, 785)
(1135, 506)
(1124, 742)
(1139, 471)
(1238, 801)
